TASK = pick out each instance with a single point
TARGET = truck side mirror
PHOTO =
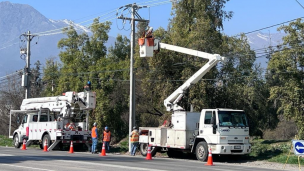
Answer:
(18, 120)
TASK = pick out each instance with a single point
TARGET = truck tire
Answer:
(201, 151)
(48, 140)
(143, 148)
(17, 144)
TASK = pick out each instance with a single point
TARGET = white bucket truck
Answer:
(55, 120)
(225, 131)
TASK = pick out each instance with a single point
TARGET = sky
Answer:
(249, 15)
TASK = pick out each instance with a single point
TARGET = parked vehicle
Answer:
(55, 120)
(224, 131)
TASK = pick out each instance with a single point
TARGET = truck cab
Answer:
(226, 131)
(29, 117)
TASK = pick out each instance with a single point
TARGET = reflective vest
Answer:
(93, 133)
(106, 136)
(134, 137)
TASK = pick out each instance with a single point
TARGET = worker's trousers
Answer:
(94, 144)
(133, 148)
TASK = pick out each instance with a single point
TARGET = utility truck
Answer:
(54, 121)
(224, 131)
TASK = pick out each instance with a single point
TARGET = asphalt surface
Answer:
(35, 159)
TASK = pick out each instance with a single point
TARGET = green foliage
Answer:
(263, 149)
(51, 73)
(124, 145)
(5, 141)
(286, 75)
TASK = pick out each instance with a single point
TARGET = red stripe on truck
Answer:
(27, 131)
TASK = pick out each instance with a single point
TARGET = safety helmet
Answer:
(94, 124)
(89, 82)
(134, 127)
(106, 128)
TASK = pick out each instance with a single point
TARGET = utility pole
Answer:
(134, 8)
(26, 81)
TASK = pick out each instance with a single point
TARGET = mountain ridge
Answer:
(16, 19)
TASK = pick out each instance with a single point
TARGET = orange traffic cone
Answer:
(24, 145)
(210, 161)
(71, 148)
(103, 150)
(45, 149)
(149, 156)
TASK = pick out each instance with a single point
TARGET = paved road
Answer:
(34, 159)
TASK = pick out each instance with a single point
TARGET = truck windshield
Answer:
(232, 119)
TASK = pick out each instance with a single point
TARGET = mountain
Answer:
(16, 19)
(259, 42)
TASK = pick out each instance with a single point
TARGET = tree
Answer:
(285, 71)
(112, 96)
(74, 61)
(51, 74)
(11, 96)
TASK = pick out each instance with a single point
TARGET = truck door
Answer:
(24, 127)
(207, 129)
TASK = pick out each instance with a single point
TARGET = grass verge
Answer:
(5, 141)
(279, 151)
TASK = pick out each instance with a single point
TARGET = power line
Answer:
(267, 27)
(300, 4)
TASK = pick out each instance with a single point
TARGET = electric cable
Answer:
(300, 4)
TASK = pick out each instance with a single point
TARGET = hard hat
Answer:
(94, 124)
(89, 82)
(106, 128)
(134, 127)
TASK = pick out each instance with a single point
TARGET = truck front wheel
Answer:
(16, 141)
(143, 147)
(201, 151)
(46, 138)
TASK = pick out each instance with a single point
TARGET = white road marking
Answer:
(6, 155)
(110, 165)
(33, 168)
(98, 164)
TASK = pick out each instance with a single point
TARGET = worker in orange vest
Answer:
(134, 141)
(107, 138)
(94, 135)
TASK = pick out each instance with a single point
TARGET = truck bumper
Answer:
(235, 149)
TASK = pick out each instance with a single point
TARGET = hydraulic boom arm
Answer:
(171, 103)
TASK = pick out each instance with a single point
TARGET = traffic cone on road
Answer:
(210, 161)
(149, 156)
(103, 150)
(45, 148)
(71, 148)
(24, 145)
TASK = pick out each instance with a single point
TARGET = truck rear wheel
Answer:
(16, 141)
(201, 151)
(143, 147)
